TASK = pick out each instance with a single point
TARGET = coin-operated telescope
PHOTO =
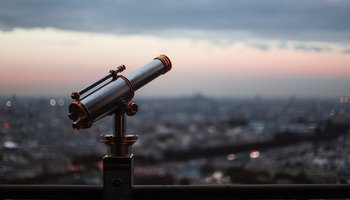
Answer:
(110, 95)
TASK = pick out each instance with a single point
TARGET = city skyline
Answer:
(227, 49)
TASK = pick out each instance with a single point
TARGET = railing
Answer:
(286, 191)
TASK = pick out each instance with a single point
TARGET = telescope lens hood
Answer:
(166, 62)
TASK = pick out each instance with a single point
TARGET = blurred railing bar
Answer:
(284, 191)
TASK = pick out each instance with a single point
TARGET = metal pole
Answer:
(118, 166)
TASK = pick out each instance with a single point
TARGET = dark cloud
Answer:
(312, 48)
(317, 20)
(260, 46)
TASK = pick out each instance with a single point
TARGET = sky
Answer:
(224, 48)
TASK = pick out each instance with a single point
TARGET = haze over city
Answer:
(258, 92)
(220, 49)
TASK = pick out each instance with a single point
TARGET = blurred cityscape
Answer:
(188, 140)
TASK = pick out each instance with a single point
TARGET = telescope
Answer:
(105, 97)
(113, 94)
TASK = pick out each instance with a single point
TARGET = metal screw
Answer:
(121, 68)
(131, 108)
(116, 182)
(75, 95)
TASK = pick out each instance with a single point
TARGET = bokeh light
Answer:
(8, 103)
(61, 102)
(254, 154)
(231, 156)
(52, 102)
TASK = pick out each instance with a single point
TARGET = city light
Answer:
(254, 154)
(343, 99)
(52, 102)
(231, 156)
(61, 102)
(6, 125)
(8, 103)
(10, 145)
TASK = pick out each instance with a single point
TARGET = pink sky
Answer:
(53, 62)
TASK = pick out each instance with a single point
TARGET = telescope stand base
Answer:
(117, 177)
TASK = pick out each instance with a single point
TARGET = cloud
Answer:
(301, 20)
(311, 48)
(260, 46)
(346, 51)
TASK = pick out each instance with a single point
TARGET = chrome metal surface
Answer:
(117, 177)
(147, 73)
(99, 102)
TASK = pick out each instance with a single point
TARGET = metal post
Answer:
(118, 165)
(117, 149)
(117, 177)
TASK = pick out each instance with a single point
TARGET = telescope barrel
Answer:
(112, 95)
(149, 71)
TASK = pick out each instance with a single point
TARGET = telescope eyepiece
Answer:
(79, 114)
